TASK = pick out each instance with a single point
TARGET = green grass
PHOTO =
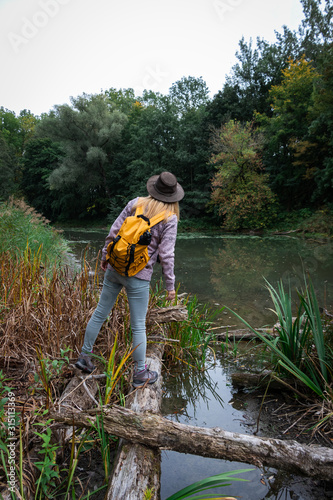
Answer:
(21, 227)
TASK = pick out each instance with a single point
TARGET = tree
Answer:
(189, 93)
(89, 133)
(317, 147)
(240, 188)
(122, 99)
(41, 158)
(291, 101)
(8, 168)
(316, 31)
(258, 68)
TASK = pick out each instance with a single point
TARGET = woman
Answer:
(164, 194)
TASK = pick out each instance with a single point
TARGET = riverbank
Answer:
(303, 223)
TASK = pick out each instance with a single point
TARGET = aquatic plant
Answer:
(300, 347)
(189, 339)
(217, 481)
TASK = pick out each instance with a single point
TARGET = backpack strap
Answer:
(153, 221)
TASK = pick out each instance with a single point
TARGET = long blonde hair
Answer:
(151, 207)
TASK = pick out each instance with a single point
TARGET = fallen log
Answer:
(167, 314)
(242, 334)
(155, 431)
(263, 379)
(137, 467)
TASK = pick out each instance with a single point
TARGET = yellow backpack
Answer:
(128, 251)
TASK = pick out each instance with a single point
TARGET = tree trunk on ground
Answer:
(155, 431)
(167, 314)
(242, 334)
(262, 379)
(79, 394)
(138, 467)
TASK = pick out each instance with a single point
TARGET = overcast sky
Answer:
(54, 49)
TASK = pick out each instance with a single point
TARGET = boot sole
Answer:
(84, 368)
(141, 384)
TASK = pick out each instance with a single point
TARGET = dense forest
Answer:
(261, 147)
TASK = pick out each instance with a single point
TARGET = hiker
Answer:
(164, 194)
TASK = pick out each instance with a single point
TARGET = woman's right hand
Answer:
(104, 265)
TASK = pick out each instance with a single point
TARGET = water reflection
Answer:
(184, 386)
(231, 271)
(209, 400)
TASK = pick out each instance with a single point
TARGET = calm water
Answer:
(230, 271)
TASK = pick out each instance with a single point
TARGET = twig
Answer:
(89, 393)
(292, 425)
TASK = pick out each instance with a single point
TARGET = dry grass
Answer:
(50, 310)
(44, 312)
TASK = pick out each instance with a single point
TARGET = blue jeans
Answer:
(138, 296)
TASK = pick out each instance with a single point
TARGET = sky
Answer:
(51, 50)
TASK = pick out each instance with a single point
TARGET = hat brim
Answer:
(172, 198)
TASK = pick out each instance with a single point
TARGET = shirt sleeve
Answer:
(128, 210)
(166, 251)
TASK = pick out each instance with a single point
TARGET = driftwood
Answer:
(138, 467)
(155, 431)
(243, 334)
(167, 314)
(262, 379)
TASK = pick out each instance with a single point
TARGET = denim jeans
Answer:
(138, 296)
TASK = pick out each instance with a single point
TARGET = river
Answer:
(231, 271)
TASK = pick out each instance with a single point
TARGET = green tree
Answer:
(41, 157)
(8, 169)
(240, 188)
(316, 31)
(149, 141)
(89, 132)
(246, 88)
(189, 93)
(316, 150)
(15, 131)
(291, 102)
(122, 99)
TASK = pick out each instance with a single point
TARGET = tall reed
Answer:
(300, 347)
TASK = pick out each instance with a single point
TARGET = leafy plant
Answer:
(293, 331)
(217, 481)
(74, 458)
(48, 467)
(114, 372)
(300, 347)
(192, 336)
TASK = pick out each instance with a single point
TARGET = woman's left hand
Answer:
(171, 294)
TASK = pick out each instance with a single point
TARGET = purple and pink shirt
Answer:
(162, 244)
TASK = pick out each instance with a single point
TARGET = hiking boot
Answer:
(84, 363)
(143, 377)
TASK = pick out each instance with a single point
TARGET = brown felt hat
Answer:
(164, 187)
